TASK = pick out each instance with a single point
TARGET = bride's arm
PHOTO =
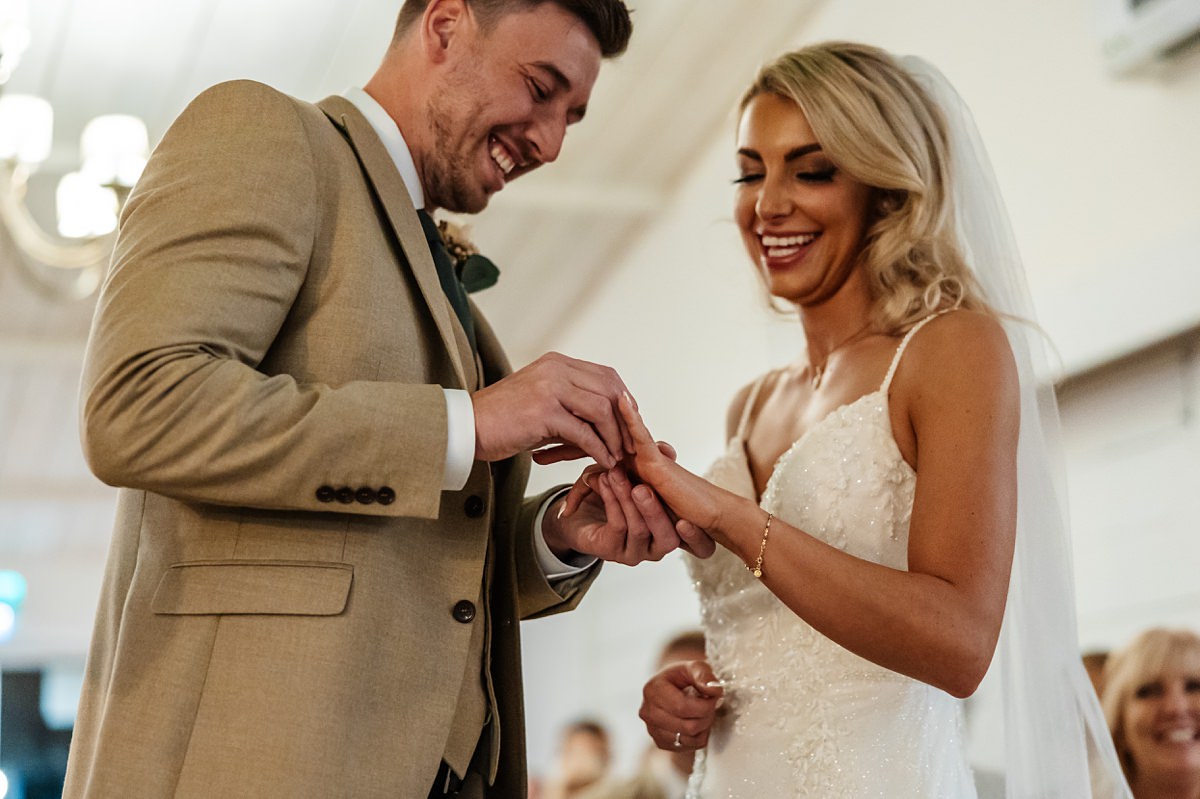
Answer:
(939, 621)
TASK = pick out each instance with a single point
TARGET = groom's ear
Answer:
(446, 25)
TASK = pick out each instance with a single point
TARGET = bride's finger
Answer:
(637, 428)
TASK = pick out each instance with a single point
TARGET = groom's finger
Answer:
(610, 537)
(663, 538)
(580, 491)
(694, 539)
(637, 533)
(597, 411)
(557, 453)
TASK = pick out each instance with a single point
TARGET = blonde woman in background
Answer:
(1152, 703)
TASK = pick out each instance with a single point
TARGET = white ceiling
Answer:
(553, 234)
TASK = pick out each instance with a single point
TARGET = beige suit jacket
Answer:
(273, 328)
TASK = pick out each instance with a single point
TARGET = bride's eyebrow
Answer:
(800, 152)
(792, 155)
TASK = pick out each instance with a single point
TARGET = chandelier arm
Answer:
(34, 242)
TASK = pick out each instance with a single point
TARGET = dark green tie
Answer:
(451, 285)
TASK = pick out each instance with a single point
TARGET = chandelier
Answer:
(68, 262)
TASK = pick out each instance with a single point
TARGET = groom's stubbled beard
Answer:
(451, 179)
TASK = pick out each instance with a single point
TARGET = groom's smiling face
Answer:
(505, 99)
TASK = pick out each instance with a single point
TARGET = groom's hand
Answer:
(616, 521)
(568, 404)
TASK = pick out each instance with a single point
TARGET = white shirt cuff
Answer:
(460, 439)
(551, 566)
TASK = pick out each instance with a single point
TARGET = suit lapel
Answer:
(393, 196)
(494, 363)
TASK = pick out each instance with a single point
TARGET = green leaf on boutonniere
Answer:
(477, 272)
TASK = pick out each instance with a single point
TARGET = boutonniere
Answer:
(475, 271)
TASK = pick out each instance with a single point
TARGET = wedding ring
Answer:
(678, 743)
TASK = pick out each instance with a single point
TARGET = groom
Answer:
(322, 551)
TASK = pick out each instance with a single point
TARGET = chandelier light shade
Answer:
(86, 209)
(69, 263)
(26, 129)
(115, 148)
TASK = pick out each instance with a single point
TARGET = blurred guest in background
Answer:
(662, 774)
(1093, 663)
(1152, 702)
(583, 760)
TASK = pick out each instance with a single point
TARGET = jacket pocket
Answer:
(281, 587)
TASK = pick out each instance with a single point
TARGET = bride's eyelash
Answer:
(818, 176)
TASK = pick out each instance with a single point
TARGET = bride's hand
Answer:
(690, 497)
(679, 705)
(587, 480)
(614, 487)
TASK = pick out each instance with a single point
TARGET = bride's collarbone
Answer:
(795, 406)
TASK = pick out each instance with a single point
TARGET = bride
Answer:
(875, 493)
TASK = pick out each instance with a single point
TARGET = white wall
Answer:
(1101, 177)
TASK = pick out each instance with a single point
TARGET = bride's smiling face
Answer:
(802, 219)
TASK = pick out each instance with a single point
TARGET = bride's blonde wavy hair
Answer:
(879, 126)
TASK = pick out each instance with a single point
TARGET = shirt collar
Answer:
(389, 133)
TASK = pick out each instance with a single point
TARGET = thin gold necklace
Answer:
(818, 369)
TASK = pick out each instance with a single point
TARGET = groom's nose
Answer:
(546, 136)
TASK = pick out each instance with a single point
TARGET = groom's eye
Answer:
(539, 92)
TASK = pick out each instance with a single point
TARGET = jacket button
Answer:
(325, 494)
(464, 611)
(385, 496)
(474, 506)
(345, 495)
(365, 495)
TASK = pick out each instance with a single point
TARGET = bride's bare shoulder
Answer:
(961, 337)
(964, 352)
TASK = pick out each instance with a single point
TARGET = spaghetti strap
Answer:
(887, 381)
(751, 401)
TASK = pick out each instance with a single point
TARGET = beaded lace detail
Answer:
(832, 724)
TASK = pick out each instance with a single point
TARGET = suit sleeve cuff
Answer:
(551, 566)
(460, 439)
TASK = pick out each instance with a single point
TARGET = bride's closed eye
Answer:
(817, 175)
(825, 175)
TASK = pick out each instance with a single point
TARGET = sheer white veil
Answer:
(1056, 741)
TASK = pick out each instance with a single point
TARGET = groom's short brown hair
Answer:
(608, 20)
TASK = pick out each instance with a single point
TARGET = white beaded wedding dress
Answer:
(802, 716)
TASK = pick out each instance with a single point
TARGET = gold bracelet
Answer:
(757, 570)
